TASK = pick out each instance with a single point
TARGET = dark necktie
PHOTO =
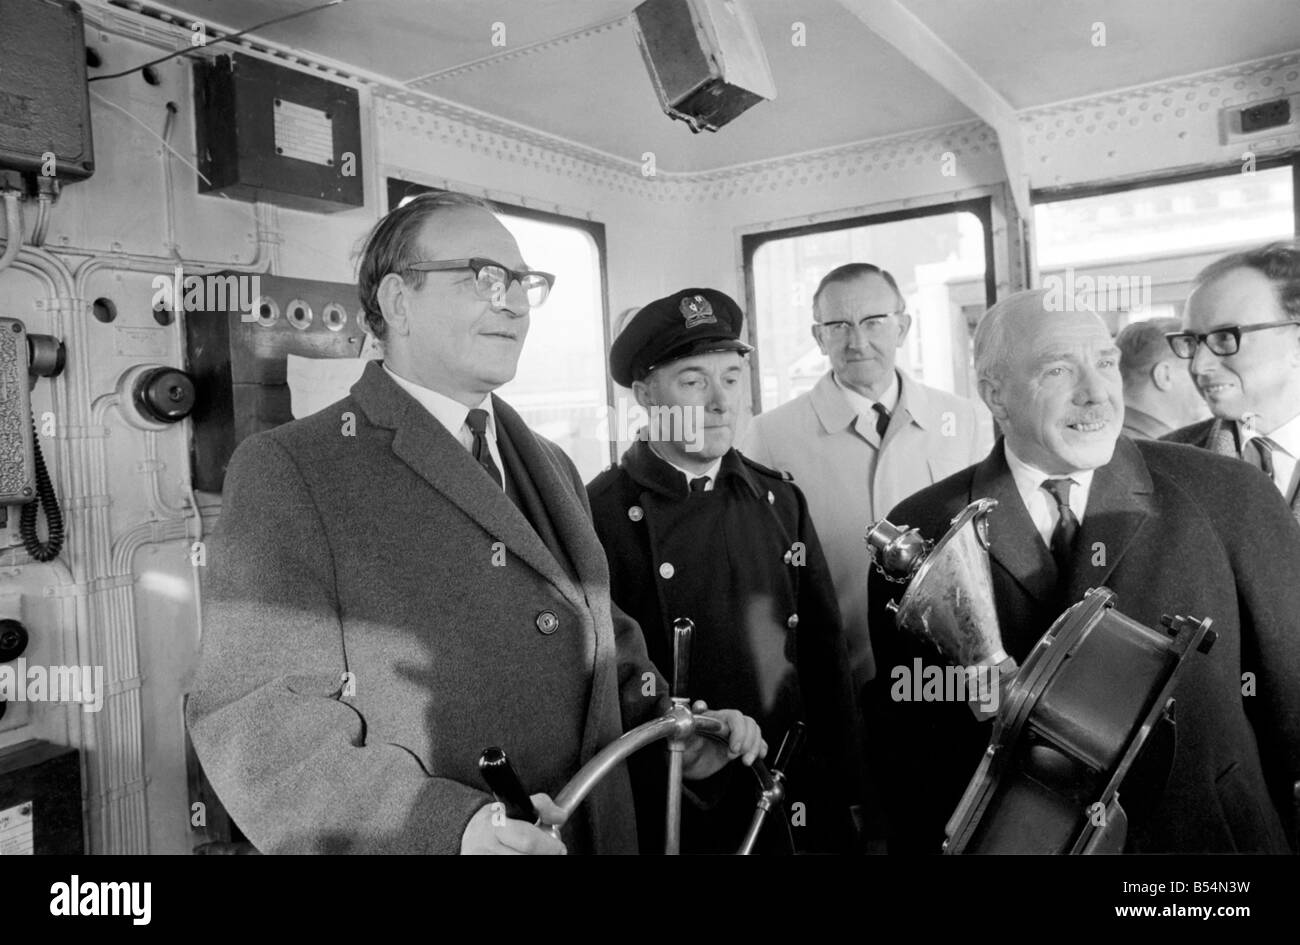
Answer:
(476, 420)
(1067, 526)
(882, 420)
(700, 484)
(1263, 448)
(1258, 451)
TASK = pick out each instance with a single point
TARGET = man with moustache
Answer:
(694, 529)
(410, 576)
(866, 436)
(1241, 341)
(1170, 530)
(1159, 395)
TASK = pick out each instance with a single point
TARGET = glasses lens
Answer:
(1184, 346)
(536, 288)
(491, 282)
(1222, 343)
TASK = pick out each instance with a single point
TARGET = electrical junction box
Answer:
(267, 133)
(44, 99)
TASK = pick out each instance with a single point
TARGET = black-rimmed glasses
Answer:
(492, 280)
(1224, 342)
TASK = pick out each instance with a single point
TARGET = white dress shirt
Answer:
(1040, 503)
(1286, 456)
(452, 415)
(864, 406)
(711, 472)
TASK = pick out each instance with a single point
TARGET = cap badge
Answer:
(697, 311)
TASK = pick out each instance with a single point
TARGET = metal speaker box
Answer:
(44, 100)
(705, 58)
(239, 362)
(269, 133)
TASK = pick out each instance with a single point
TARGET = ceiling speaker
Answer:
(705, 59)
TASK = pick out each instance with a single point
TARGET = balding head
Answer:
(1051, 380)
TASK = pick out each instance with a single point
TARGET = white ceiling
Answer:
(845, 85)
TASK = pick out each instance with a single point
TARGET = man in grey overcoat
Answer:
(410, 576)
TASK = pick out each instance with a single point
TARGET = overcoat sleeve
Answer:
(270, 715)
(1263, 540)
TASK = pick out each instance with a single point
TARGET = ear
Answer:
(993, 394)
(641, 390)
(1162, 375)
(393, 303)
(904, 325)
(817, 337)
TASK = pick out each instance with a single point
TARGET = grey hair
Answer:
(851, 271)
(993, 338)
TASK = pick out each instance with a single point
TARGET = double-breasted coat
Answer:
(744, 563)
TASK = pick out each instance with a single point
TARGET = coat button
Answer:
(547, 622)
(666, 570)
(789, 556)
(635, 513)
(771, 498)
(793, 621)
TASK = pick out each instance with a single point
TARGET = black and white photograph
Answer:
(857, 428)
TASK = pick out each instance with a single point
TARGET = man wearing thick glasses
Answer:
(410, 576)
(1241, 341)
(866, 436)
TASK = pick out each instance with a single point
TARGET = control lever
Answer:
(504, 783)
(790, 746)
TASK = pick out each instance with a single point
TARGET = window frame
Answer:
(981, 206)
(398, 189)
(1044, 195)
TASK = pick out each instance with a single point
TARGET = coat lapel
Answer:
(421, 442)
(1118, 504)
(1014, 542)
(561, 497)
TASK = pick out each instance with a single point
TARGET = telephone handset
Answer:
(24, 480)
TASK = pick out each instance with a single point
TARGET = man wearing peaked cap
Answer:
(694, 529)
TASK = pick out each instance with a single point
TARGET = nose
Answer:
(1203, 359)
(1092, 388)
(721, 398)
(514, 300)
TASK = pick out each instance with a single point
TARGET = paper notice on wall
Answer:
(315, 383)
(17, 830)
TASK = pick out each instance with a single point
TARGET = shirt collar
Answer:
(450, 413)
(862, 405)
(711, 472)
(1287, 436)
(1029, 479)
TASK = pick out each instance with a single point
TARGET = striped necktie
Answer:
(476, 420)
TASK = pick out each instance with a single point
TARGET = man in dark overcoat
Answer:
(694, 529)
(410, 576)
(1169, 529)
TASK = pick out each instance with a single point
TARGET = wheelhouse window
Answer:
(1137, 248)
(941, 258)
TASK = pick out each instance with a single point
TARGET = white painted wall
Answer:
(663, 233)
